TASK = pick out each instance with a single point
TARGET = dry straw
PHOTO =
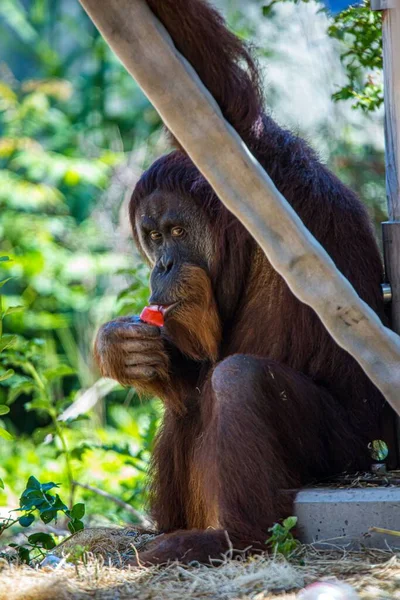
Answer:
(103, 576)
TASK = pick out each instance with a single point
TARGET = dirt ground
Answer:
(103, 576)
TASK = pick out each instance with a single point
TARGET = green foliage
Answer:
(53, 40)
(268, 9)
(44, 182)
(359, 32)
(63, 135)
(5, 342)
(38, 380)
(282, 540)
(135, 295)
(77, 554)
(362, 168)
(37, 502)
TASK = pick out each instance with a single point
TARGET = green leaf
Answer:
(4, 410)
(23, 554)
(44, 539)
(33, 484)
(58, 372)
(1, 484)
(26, 520)
(75, 526)
(13, 309)
(49, 486)
(15, 15)
(41, 433)
(7, 375)
(5, 435)
(39, 404)
(7, 341)
(48, 515)
(78, 511)
(32, 502)
(58, 504)
(5, 281)
(26, 387)
(289, 523)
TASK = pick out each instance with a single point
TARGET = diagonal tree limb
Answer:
(142, 520)
(189, 111)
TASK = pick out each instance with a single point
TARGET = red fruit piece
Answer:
(152, 315)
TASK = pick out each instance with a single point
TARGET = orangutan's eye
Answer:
(177, 231)
(155, 236)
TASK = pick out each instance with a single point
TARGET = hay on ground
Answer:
(374, 574)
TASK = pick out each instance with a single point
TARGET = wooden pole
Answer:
(189, 111)
(391, 68)
(391, 229)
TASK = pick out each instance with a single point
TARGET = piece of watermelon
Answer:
(152, 315)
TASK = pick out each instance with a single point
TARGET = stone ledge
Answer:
(342, 517)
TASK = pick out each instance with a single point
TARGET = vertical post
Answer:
(391, 228)
(391, 67)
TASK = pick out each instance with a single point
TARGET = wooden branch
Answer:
(87, 399)
(143, 521)
(185, 105)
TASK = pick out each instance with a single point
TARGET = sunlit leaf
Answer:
(5, 281)
(7, 341)
(61, 89)
(13, 309)
(9, 145)
(15, 16)
(8, 98)
(17, 192)
(58, 372)
(9, 373)
(25, 387)
(5, 434)
(289, 523)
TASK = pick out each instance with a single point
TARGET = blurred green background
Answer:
(75, 134)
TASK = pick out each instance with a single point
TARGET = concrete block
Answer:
(342, 517)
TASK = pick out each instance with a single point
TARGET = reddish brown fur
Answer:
(194, 327)
(111, 351)
(284, 404)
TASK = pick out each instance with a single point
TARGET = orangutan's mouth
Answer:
(166, 309)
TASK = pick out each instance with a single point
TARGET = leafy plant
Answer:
(268, 9)
(5, 342)
(282, 540)
(68, 114)
(135, 295)
(38, 379)
(359, 31)
(37, 502)
(77, 554)
(47, 189)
